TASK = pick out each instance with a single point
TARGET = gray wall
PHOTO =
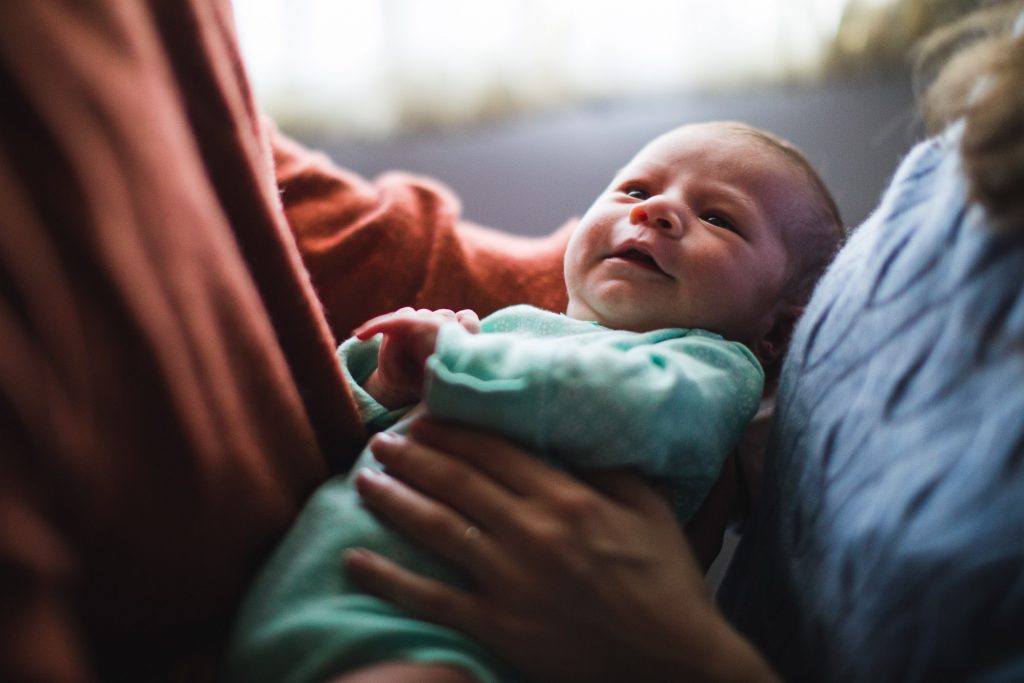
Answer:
(530, 174)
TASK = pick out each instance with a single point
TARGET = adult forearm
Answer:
(373, 247)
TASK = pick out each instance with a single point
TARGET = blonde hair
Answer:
(974, 69)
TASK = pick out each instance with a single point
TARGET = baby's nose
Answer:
(653, 216)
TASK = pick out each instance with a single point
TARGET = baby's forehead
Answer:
(723, 157)
(715, 140)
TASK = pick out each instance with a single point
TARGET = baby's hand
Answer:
(409, 338)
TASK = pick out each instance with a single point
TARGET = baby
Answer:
(685, 278)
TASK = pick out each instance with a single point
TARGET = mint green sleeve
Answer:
(358, 359)
(673, 409)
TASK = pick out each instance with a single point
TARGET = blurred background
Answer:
(526, 108)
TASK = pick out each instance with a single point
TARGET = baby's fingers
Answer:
(469, 320)
(382, 322)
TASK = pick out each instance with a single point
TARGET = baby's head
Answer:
(718, 226)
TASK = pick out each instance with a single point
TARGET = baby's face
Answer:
(688, 235)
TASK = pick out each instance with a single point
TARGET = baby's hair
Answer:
(813, 240)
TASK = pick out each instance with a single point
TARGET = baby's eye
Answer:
(637, 193)
(719, 221)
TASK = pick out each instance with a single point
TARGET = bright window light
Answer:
(371, 67)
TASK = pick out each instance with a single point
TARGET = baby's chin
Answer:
(622, 315)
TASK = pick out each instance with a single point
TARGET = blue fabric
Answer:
(889, 542)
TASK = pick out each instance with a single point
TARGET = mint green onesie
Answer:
(671, 403)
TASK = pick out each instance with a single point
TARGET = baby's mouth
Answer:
(640, 259)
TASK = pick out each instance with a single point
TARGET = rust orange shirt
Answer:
(173, 275)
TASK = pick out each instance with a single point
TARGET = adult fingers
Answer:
(430, 599)
(435, 526)
(447, 481)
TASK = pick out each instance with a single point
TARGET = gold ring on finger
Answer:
(470, 535)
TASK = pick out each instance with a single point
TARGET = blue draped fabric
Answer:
(889, 542)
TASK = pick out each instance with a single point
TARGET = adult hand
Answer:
(569, 582)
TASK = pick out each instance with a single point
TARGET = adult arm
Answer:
(400, 240)
(568, 582)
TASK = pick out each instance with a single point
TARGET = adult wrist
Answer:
(718, 654)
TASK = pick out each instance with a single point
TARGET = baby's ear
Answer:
(770, 348)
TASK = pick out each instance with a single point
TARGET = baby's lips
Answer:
(642, 254)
